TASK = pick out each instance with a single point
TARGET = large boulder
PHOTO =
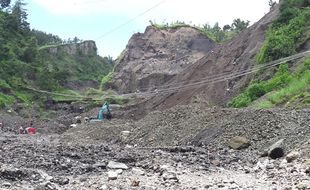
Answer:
(239, 142)
(277, 149)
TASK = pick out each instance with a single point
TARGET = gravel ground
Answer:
(186, 147)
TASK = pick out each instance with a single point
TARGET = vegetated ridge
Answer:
(35, 59)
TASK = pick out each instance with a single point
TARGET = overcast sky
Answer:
(112, 22)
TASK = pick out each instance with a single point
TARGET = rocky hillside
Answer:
(233, 56)
(156, 56)
(85, 48)
(206, 59)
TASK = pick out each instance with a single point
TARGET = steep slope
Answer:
(155, 56)
(228, 58)
(233, 56)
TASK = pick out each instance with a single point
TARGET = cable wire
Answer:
(182, 85)
(131, 20)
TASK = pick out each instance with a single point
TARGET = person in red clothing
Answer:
(30, 130)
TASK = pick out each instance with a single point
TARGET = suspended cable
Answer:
(182, 85)
(131, 20)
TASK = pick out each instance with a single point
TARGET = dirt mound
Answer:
(155, 56)
(196, 126)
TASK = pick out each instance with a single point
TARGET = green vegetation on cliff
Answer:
(288, 32)
(285, 37)
(27, 59)
(215, 32)
(296, 93)
(283, 87)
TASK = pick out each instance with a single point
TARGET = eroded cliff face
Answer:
(87, 48)
(230, 58)
(157, 55)
(202, 63)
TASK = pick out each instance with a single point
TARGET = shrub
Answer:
(287, 33)
(6, 100)
(255, 91)
(280, 79)
(4, 85)
(240, 101)
(105, 80)
(258, 89)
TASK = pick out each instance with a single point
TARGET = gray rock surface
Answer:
(117, 165)
(239, 142)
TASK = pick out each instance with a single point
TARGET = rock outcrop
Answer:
(155, 56)
(87, 48)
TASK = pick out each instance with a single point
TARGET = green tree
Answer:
(31, 51)
(239, 25)
(45, 39)
(4, 3)
(17, 20)
(226, 27)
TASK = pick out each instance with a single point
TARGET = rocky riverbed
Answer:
(181, 148)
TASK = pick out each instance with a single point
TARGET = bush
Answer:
(280, 79)
(258, 89)
(307, 64)
(6, 100)
(287, 33)
(4, 85)
(286, 15)
(294, 3)
(105, 80)
(255, 91)
(240, 101)
(23, 96)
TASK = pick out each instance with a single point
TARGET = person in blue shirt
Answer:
(104, 112)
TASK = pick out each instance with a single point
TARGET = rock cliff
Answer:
(155, 56)
(144, 66)
(87, 48)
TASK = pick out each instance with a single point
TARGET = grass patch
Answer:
(295, 92)
(115, 99)
(265, 104)
(259, 88)
(294, 88)
(281, 88)
(105, 80)
(4, 85)
(72, 96)
(6, 100)
(23, 96)
(216, 33)
(49, 46)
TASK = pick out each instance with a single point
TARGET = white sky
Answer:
(113, 13)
